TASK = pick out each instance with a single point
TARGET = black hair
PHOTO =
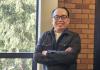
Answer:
(61, 8)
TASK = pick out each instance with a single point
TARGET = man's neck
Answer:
(59, 31)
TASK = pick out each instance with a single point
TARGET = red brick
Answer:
(82, 56)
(82, 66)
(89, 1)
(90, 56)
(90, 66)
(83, 35)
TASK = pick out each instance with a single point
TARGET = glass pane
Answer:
(17, 25)
(15, 64)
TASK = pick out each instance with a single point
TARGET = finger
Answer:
(68, 50)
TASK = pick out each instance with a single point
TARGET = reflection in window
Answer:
(15, 64)
(17, 25)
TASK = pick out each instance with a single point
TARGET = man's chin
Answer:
(61, 28)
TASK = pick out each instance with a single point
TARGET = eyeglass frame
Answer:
(63, 17)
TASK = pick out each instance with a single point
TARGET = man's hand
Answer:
(44, 52)
(69, 50)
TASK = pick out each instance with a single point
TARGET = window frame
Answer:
(24, 54)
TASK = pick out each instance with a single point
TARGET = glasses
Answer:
(62, 17)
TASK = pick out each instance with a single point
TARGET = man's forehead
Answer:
(60, 11)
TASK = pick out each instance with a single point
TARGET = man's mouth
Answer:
(60, 23)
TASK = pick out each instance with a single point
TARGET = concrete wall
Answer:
(45, 14)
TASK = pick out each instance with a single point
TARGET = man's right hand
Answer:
(68, 50)
(44, 52)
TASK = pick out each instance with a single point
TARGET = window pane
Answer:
(17, 25)
(15, 64)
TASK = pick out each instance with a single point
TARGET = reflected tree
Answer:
(17, 31)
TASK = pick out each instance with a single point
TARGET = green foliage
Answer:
(28, 8)
(7, 10)
(17, 26)
(15, 64)
(17, 31)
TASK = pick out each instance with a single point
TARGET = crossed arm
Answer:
(67, 51)
(52, 57)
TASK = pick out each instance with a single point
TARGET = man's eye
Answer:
(60, 17)
(64, 16)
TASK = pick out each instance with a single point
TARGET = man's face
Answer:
(60, 19)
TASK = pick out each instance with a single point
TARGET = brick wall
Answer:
(82, 14)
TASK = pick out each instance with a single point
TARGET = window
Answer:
(17, 34)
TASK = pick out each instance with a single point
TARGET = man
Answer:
(58, 48)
